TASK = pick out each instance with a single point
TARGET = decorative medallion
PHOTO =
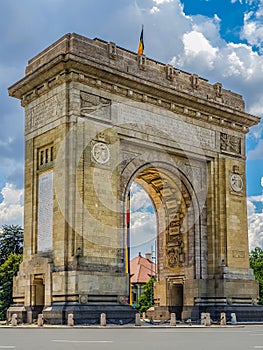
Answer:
(236, 183)
(83, 299)
(101, 152)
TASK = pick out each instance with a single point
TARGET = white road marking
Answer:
(258, 347)
(182, 330)
(7, 347)
(81, 341)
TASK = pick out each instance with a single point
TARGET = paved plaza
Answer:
(183, 338)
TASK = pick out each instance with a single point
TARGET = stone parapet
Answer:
(127, 73)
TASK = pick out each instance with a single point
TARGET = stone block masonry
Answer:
(97, 118)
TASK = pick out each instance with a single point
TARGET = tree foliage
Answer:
(256, 263)
(146, 300)
(7, 271)
(11, 241)
(11, 248)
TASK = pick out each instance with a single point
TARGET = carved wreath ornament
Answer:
(236, 183)
(101, 152)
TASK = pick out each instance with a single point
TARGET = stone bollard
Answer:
(205, 319)
(103, 320)
(223, 319)
(137, 319)
(29, 316)
(14, 320)
(70, 320)
(40, 320)
(173, 319)
(208, 319)
(233, 318)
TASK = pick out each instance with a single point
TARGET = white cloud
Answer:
(255, 221)
(139, 198)
(155, 9)
(11, 208)
(257, 107)
(197, 51)
(237, 66)
(143, 221)
(195, 42)
(258, 198)
(253, 26)
(256, 132)
(143, 232)
(158, 2)
(255, 226)
(216, 18)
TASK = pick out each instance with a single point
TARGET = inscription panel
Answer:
(165, 127)
(41, 112)
(45, 212)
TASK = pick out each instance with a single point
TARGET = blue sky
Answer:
(220, 40)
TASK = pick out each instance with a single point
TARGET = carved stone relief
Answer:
(41, 112)
(100, 152)
(236, 183)
(92, 105)
(230, 143)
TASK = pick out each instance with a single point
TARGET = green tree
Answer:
(146, 300)
(11, 241)
(7, 271)
(256, 263)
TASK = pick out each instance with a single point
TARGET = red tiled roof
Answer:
(141, 269)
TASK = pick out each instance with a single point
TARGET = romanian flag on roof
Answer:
(141, 44)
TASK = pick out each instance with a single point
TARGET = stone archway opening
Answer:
(142, 241)
(143, 226)
(178, 246)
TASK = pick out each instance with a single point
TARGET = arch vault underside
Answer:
(181, 225)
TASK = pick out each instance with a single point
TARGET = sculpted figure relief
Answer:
(101, 152)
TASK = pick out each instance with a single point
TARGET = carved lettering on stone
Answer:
(41, 113)
(93, 105)
(230, 143)
(166, 128)
(45, 212)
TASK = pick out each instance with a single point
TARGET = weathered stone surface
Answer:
(173, 319)
(98, 118)
(223, 319)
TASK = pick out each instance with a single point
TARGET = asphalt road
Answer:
(240, 338)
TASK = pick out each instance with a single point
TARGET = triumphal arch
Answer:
(98, 118)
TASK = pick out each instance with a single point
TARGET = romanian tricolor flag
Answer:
(141, 44)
